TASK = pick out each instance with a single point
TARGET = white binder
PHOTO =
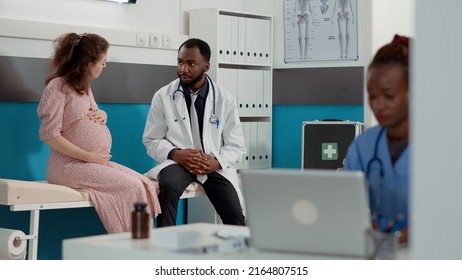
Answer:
(253, 144)
(224, 44)
(267, 92)
(242, 38)
(246, 129)
(251, 40)
(266, 48)
(227, 78)
(234, 39)
(264, 144)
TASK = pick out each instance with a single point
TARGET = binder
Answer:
(234, 39)
(266, 48)
(256, 90)
(259, 91)
(267, 92)
(228, 80)
(246, 129)
(264, 144)
(243, 91)
(224, 46)
(241, 39)
(253, 144)
(251, 40)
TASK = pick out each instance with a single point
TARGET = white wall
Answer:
(436, 132)
(152, 15)
(106, 18)
(391, 17)
(117, 22)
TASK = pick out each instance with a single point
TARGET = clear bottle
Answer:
(140, 221)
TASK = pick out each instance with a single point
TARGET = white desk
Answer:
(122, 247)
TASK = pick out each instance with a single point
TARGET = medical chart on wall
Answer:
(317, 30)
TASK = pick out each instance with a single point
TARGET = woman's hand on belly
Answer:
(98, 116)
(64, 146)
(98, 156)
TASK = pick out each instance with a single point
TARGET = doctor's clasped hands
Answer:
(196, 161)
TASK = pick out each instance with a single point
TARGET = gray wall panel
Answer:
(22, 80)
(319, 86)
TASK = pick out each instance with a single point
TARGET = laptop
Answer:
(308, 211)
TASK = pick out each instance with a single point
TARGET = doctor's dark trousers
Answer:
(174, 179)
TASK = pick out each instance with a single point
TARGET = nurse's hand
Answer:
(98, 116)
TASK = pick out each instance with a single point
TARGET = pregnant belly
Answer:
(89, 136)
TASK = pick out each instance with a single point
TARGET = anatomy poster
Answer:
(320, 30)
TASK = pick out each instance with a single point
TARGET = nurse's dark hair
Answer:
(73, 55)
(397, 51)
(203, 47)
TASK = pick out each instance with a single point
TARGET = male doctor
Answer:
(193, 132)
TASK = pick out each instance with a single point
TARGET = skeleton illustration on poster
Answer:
(320, 30)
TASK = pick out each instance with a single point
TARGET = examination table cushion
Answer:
(13, 192)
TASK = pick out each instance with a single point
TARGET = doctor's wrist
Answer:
(172, 153)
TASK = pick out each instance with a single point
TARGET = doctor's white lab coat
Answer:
(168, 127)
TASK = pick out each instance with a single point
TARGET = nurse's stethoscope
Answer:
(213, 118)
(375, 158)
(398, 223)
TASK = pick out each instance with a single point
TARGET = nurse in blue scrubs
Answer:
(382, 152)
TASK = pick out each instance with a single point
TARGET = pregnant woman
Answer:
(75, 129)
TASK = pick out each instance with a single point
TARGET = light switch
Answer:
(141, 38)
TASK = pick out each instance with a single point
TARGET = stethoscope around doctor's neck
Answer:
(213, 118)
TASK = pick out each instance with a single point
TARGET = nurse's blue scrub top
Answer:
(389, 199)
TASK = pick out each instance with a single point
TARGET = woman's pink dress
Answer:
(113, 188)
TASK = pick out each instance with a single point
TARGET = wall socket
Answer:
(155, 40)
(167, 41)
